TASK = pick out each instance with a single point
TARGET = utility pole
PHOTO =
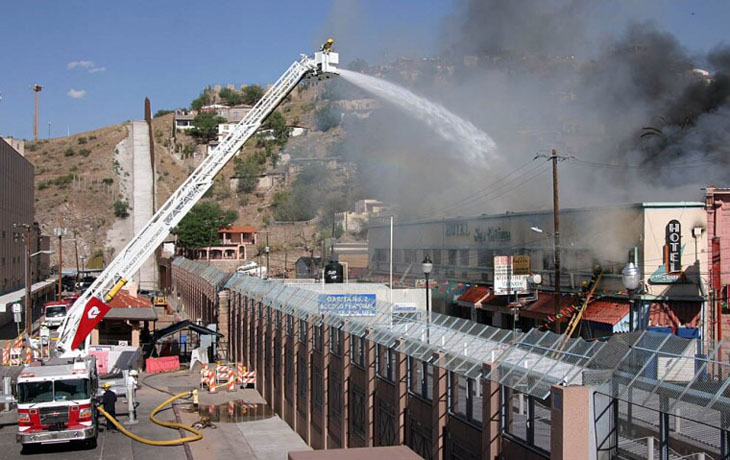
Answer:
(59, 232)
(76, 250)
(556, 221)
(554, 157)
(37, 89)
(25, 236)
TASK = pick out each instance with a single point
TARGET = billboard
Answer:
(506, 282)
(348, 304)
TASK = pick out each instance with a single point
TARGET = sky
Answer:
(98, 59)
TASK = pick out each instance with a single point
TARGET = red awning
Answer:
(124, 299)
(675, 314)
(606, 311)
(475, 296)
(544, 306)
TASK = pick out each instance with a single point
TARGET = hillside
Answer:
(79, 178)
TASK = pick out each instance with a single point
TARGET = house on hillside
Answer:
(235, 243)
(183, 119)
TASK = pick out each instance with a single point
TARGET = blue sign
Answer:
(348, 304)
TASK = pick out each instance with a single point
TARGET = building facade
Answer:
(16, 207)
(669, 241)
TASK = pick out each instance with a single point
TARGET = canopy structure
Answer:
(657, 371)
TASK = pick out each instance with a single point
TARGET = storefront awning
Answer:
(545, 305)
(475, 297)
(606, 311)
(675, 314)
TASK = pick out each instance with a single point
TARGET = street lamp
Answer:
(60, 232)
(631, 277)
(28, 293)
(427, 267)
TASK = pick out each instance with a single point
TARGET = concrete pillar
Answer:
(135, 334)
(570, 421)
(278, 399)
(439, 408)
(325, 381)
(491, 433)
(346, 369)
(401, 385)
(370, 391)
(224, 346)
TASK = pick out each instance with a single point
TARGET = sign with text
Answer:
(348, 304)
(505, 281)
(404, 307)
(673, 246)
(520, 265)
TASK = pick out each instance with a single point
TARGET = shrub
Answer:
(81, 140)
(85, 152)
(107, 181)
(121, 209)
(161, 113)
(91, 138)
(42, 185)
(69, 152)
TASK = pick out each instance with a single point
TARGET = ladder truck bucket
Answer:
(326, 63)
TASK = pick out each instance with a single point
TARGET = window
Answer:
(336, 341)
(289, 325)
(357, 351)
(302, 379)
(381, 255)
(484, 257)
(452, 256)
(464, 257)
(437, 256)
(317, 338)
(420, 378)
(385, 363)
(303, 331)
(317, 390)
(465, 398)
(525, 419)
(335, 395)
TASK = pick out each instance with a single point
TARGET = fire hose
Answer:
(174, 425)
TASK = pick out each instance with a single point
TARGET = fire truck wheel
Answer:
(91, 443)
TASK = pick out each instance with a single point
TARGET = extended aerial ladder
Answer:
(88, 309)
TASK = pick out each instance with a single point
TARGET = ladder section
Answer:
(129, 260)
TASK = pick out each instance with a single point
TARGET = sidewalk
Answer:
(246, 427)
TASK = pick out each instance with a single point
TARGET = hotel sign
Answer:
(673, 247)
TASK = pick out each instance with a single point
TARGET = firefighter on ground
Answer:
(108, 402)
(327, 47)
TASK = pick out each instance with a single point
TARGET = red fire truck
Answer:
(56, 402)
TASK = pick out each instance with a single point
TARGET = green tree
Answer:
(162, 112)
(230, 96)
(326, 118)
(247, 171)
(206, 97)
(252, 94)
(199, 228)
(205, 125)
(280, 131)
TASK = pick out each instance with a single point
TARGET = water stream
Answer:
(471, 141)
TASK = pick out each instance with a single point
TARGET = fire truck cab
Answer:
(56, 402)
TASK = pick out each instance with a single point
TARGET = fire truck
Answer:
(55, 398)
(56, 401)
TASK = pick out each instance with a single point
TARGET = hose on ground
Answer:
(151, 442)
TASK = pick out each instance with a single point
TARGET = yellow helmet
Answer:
(106, 386)
(330, 40)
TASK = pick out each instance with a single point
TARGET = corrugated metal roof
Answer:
(606, 311)
(474, 294)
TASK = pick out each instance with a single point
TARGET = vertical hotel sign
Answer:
(673, 247)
